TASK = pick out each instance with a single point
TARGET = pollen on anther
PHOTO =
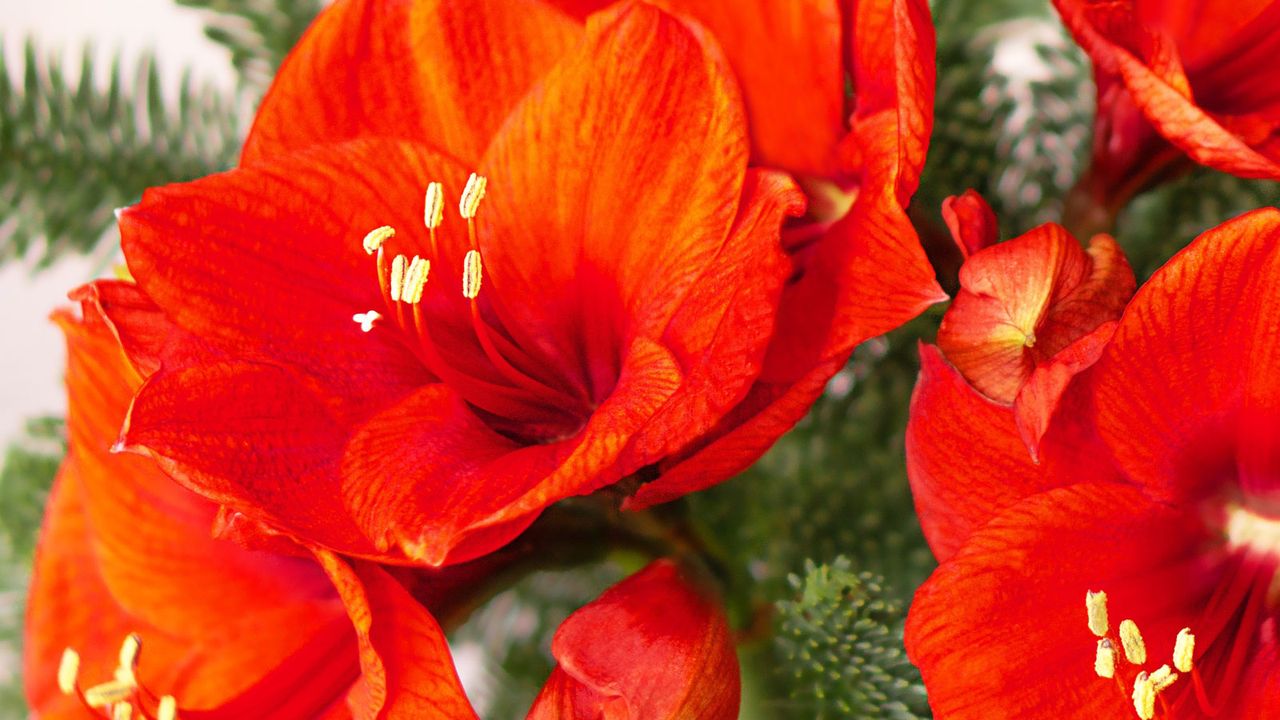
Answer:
(122, 711)
(433, 206)
(109, 693)
(167, 709)
(415, 280)
(1104, 662)
(366, 319)
(1184, 649)
(1096, 604)
(398, 269)
(68, 671)
(1162, 678)
(1144, 696)
(129, 650)
(472, 194)
(1135, 651)
(472, 274)
(376, 237)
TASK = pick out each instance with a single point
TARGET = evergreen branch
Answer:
(840, 647)
(71, 151)
(257, 33)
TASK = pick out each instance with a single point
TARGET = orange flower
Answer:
(611, 302)
(1179, 77)
(126, 559)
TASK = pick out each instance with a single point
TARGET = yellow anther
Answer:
(128, 659)
(1183, 650)
(1162, 678)
(122, 711)
(433, 206)
(109, 693)
(415, 279)
(376, 237)
(472, 273)
(68, 671)
(1104, 662)
(1144, 696)
(366, 319)
(1096, 604)
(398, 269)
(472, 194)
(167, 709)
(1134, 649)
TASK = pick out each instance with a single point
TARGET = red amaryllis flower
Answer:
(125, 557)
(1179, 77)
(1133, 571)
(607, 302)
(1031, 312)
(840, 95)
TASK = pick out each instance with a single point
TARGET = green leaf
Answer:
(840, 647)
(72, 152)
(257, 33)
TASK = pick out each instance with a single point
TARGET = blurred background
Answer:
(819, 543)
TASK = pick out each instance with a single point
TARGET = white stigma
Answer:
(366, 319)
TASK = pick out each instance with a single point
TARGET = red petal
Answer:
(148, 338)
(1038, 400)
(645, 190)
(965, 459)
(894, 74)
(444, 73)
(1024, 300)
(1151, 67)
(125, 549)
(972, 222)
(650, 647)
(266, 263)
(1000, 631)
(447, 512)
(407, 668)
(1193, 358)
(253, 437)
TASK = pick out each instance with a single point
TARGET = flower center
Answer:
(122, 697)
(463, 341)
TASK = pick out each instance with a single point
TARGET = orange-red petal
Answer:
(1023, 301)
(1186, 390)
(653, 646)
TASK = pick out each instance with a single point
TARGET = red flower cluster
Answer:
(1152, 503)
(353, 384)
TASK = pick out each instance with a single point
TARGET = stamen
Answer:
(122, 711)
(1162, 678)
(366, 319)
(433, 206)
(68, 671)
(472, 274)
(167, 709)
(1104, 662)
(1096, 604)
(128, 658)
(397, 277)
(108, 693)
(1144, 696)
(376, 237)
(472, 194)
(1134, 649)
(1183, 650)
(415, 280)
